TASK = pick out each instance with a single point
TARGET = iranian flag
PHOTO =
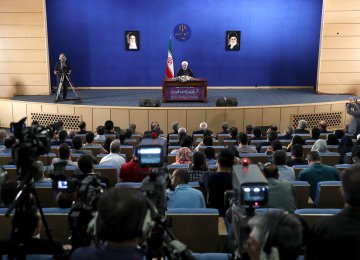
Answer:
(170, 64)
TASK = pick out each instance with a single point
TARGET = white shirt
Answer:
(113, 159)
(286, 173)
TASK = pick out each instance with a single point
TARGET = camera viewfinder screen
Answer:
(62, 184)
(150, 155)
(254, 193)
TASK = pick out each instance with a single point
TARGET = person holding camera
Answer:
(62, 66)
(353, 109)
(121, 225)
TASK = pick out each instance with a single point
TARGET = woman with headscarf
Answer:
(183, 156)
(319, 146)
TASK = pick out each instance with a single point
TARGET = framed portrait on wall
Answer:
(132, 40)
(232, 41)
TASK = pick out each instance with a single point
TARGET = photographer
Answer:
(352, 108)
(119, 224)
(62, 66)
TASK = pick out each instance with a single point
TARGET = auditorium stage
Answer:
(246, 97)
(257, 106)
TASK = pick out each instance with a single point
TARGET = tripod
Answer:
(65, 76)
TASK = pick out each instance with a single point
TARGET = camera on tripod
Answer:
(250, 192)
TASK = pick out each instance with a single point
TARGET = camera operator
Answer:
(119, 227)
(62, 66)
(352, 108)
(274, 235)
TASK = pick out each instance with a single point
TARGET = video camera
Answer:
(250, 191)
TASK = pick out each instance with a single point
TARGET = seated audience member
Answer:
(276, 145)
(301, 128)
(211, 160)
(319, 146)
(3, 135)
(339, 133)
(8, 192)
(233, 133)
(132, 172)
(272, 127)
(77, 147)
(322, 126)
(186, 141)
(234, 150)
(317, 172)
(86, 166)
(89, 138)
(72, 133)
(8, 143)
(216, 183)
(207, 141)
(128, 133)
(122, 138)
(133, 127)
(65, 199)
(82, 127)
(257, 133)
(338, 236)
(100, 134)
(331, 139)
(181, 133)
(64, 156)
(297, 156)
(183, 156)
(114, 158)
(62, 136)
(282, 240)
(249, 129)
(243, 144)
(183, 195)
(109, 127)
(121, 214)
(345, 146)
(281, 193)
(202, 127)
(198, 166)
(296, 140)
(286, 173)
(271, 136)
(107, 143)
(315, 134)
(224, 127)
(175, 128)
(288, 134)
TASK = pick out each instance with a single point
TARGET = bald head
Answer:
(115, 146)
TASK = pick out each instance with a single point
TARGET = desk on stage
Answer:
(184, 91)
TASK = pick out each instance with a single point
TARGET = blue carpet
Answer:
(246, 97)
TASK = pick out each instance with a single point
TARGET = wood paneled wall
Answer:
(24, 65)
(190, 118)
(339, 60)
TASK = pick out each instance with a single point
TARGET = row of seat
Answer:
(202, 230)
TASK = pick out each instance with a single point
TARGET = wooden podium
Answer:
(173, 91)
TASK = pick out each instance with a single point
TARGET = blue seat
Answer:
(298, 168)
(211, 256)
(302, 192)
(343, 166)
(328, 195)
(265, 210)
(312, 215)
(128, 185)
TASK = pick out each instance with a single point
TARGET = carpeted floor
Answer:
(246, 97)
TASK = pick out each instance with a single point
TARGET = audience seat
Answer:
(342, 167)
(312, 215)
(108, 172)
(11, 172)
(328, 195)
(128, 150)
(95, 149)
(133, 186)
(330, 158)
(222, 137)
(298, 168)
(46, 194)
(172, 167)
(173, 147)
(57, 220)
(229, 142)
(302, 193)
(83, 137)
(217, 148)
(46, 159)
(202, 230)
(211, 256)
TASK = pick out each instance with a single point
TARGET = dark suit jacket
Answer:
(235, 48)
(354, 127)
(58, 66)
(301, 131)
(187, 72)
